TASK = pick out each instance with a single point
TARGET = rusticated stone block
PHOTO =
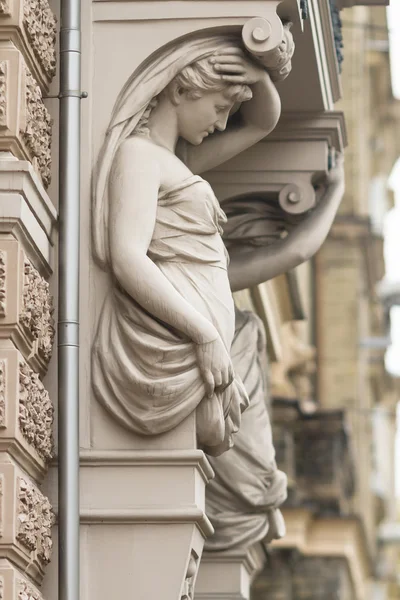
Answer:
(26, 411)
(26, 519)
(25, 126)
(32, 27)
(27, 315)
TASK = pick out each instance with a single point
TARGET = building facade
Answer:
(146, 513)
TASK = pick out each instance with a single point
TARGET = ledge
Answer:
(27, 212)
(185, 515)
(154, 458)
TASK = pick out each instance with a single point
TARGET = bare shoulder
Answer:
(138, 153)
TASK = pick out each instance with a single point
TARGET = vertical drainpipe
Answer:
(68, 324)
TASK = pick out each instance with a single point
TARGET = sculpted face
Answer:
(198, 118)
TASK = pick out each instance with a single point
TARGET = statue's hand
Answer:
(235, 67)
(215, 365)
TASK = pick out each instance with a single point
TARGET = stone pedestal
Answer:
(228, 575)
(142, 515)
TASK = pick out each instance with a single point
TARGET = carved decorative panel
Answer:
(2, 283)
(35, 412)
(26, 307)
(40, 26)
(25, 123)
(2, 393)
(32, 27)
(37, 310)
(5, 8)
(38, 129)
(34, 520)
(3, 93)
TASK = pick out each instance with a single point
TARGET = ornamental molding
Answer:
(35, 519)
(2, 393)
(40, 26)
(3, 256)
(37, 310)
(36, 412)
(37, 130)
(2, 588)
(188, 584)
(1, 504)
(3, 92)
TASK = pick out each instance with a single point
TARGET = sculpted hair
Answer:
(201, 77)
(195, 79)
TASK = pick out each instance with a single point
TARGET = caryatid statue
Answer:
(163, 342)
(263, 241)
(243, 498)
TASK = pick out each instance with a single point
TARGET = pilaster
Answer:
(27, 228)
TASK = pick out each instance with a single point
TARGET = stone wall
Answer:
(27, 223)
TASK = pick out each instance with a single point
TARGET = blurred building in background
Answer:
(334, 403)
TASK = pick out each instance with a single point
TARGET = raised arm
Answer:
(134, 186)
(252, 266)
(257, 119)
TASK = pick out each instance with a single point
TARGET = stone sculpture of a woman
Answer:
(162, 348)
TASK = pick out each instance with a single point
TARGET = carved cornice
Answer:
(27, 592)
(37, 310)
(329, 126)
(34, 520)
(40, 26)
(37, 131)
(35, 412)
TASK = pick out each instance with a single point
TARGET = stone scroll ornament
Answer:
(148, 367)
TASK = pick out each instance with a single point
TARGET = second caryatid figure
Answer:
(163, 344)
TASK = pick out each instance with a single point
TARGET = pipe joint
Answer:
(70, 40)
(68, 333)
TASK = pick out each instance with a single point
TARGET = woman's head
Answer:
(202, 101)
